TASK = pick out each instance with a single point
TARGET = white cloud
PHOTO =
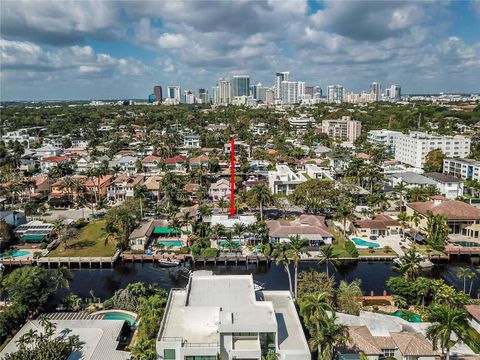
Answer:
(172, 41)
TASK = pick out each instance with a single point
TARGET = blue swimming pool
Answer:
(360, 242)
(16, 253)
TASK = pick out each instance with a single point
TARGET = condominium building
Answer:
(462, 168)
(344, 129)
(376, 89)
(413, 148)
(335, 93)
(363, 98)
(279, 77)
(224, 96)
(301, 121)
(283, 180)
(288, 92)
(395, 92)
(235, 323)
(387, 138)
(241, 85)
(174, 93)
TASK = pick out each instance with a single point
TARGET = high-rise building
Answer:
(261, 93)
(375, 88)
(269, 96)
(289, 92)
(300, 90)
(335, 94)
(309, 90)
(174, 93)
(241, 85)
(279, 77)
(215, 95)
(344, 129)
(224, 92)
(152, 98)
(395, 92)
(203, 95)
(317, 90)
(157, 90)
(189, 97)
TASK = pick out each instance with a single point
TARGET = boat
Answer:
(424, 263)
(258, 286)
(2, 268)
(169, 262)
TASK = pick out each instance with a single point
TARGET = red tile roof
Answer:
(452, 209)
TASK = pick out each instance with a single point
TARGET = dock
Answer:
(80, 261)
(461, 250)
(231, 260)
(12, 262)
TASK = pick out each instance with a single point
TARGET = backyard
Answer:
(88, 243)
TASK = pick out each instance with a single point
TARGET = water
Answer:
(361, 242)
(104, 282)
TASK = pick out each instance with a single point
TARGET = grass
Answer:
(339, 243)
(427, 250)
(474, 341)
(376, 252)
(89, 242)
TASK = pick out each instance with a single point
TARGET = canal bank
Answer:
(103, 283)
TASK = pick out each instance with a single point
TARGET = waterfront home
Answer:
(175, 163)
(474, 316)
(121, 188)
(380, 335)
(308, 227)
(154, 232)
(219, 190)
(462, 218)
(198, 162)
(283, 180)
(236, 323)
(379, 225)
(100, 339)
(34, 231)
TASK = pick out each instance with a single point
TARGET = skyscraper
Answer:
(289, 92)
(395, 92)
(375, 88)
(301, 90)
(241, 85)
(279, 77)
(203, 95)
(174, 93)
(157, 90)
(335, 94)
(224, 92)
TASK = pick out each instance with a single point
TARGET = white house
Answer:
(283, 180)
(222, 316)
(220, 190)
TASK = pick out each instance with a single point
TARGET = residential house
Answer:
(448, 185)
(308, 227)
(121, 188)
(238, 145)
(283, 180)
(152, 183)
(48, 150)
(198, 162)
(314, 171)
(474, 316)
(219, 190)
(13, 218)
(410, 180)
(175, 163)
(191, 141)
(462, 218)
(80, 143)
(235, 323)
(379, 225)
(152, 165)
(49, 162)
(127, 163)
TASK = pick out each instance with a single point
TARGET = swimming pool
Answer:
(406, 315)
(16, 253)
(120, 316)
(467, 243)
(360, 242)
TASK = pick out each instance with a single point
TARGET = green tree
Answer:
(434, 161)
(349, 297)
(282, 255)
(298, 247)
(343, 213)
(437, 230)
(328, 335)
(409, 264)
(261, 195)
(329, 257)
(313, 307)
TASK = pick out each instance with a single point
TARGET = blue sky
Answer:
(121, 49)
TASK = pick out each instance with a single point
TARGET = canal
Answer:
(104, 282)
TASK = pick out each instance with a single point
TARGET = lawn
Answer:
(89, 242)
(427, 250)
(339, 243)
(376, 252)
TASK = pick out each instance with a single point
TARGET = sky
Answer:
(82, 49)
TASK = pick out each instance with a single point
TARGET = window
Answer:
(169, 354)
(388, 352)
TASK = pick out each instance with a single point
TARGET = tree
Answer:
(222, 204)
(446, 321)
(282, 255)
(313, 282)
(409, 264)
(437, 230)
(344, 212)
(403, 219)
(6, 233)
(315, 195)
(434, 161)
(401, 187)
(313, 307)
(349, 297)
(416, 218)
(328, 335)
(298, 248)
(329, 257)
(261, 195)
(466, 274)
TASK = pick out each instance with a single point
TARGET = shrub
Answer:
(208, 252)
(184, 250)
(351, 249)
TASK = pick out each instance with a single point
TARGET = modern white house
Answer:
(222, 316)
(283, 180)
(191, 141)
(220, 190)
(413, 148)
(448, 185)
(314, 171)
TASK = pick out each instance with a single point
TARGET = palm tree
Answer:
(262, 195)
(403, 219)
(446, 320)
(239, 229)
(81, 204)
(313, 306)
(222, 203)
(282, 255)
(464, 273)
(401, 188)
(416, 218)
(329, 334)
(349, 297)
(344, 212)
(329, 257)
(409, 264)
(61, 278)
(298, 247)
(217, 231)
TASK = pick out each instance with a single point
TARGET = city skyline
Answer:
(110, 50)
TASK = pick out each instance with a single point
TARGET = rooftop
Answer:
(304, 226)
(444, 178)
(452, 209)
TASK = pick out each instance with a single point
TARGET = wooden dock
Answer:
(81, 261)
(461, 250)
(151, 258)
(230, 260)
(12, 262)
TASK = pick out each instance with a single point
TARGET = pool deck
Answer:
(394, 241)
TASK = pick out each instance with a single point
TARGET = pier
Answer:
(80, 261)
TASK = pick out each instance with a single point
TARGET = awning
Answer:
(165, 231)
(415, 236)
(225, 243)
(33, 237)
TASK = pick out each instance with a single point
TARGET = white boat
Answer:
(424, 263)
(257, 286)
(2, 268)
(169, 262)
